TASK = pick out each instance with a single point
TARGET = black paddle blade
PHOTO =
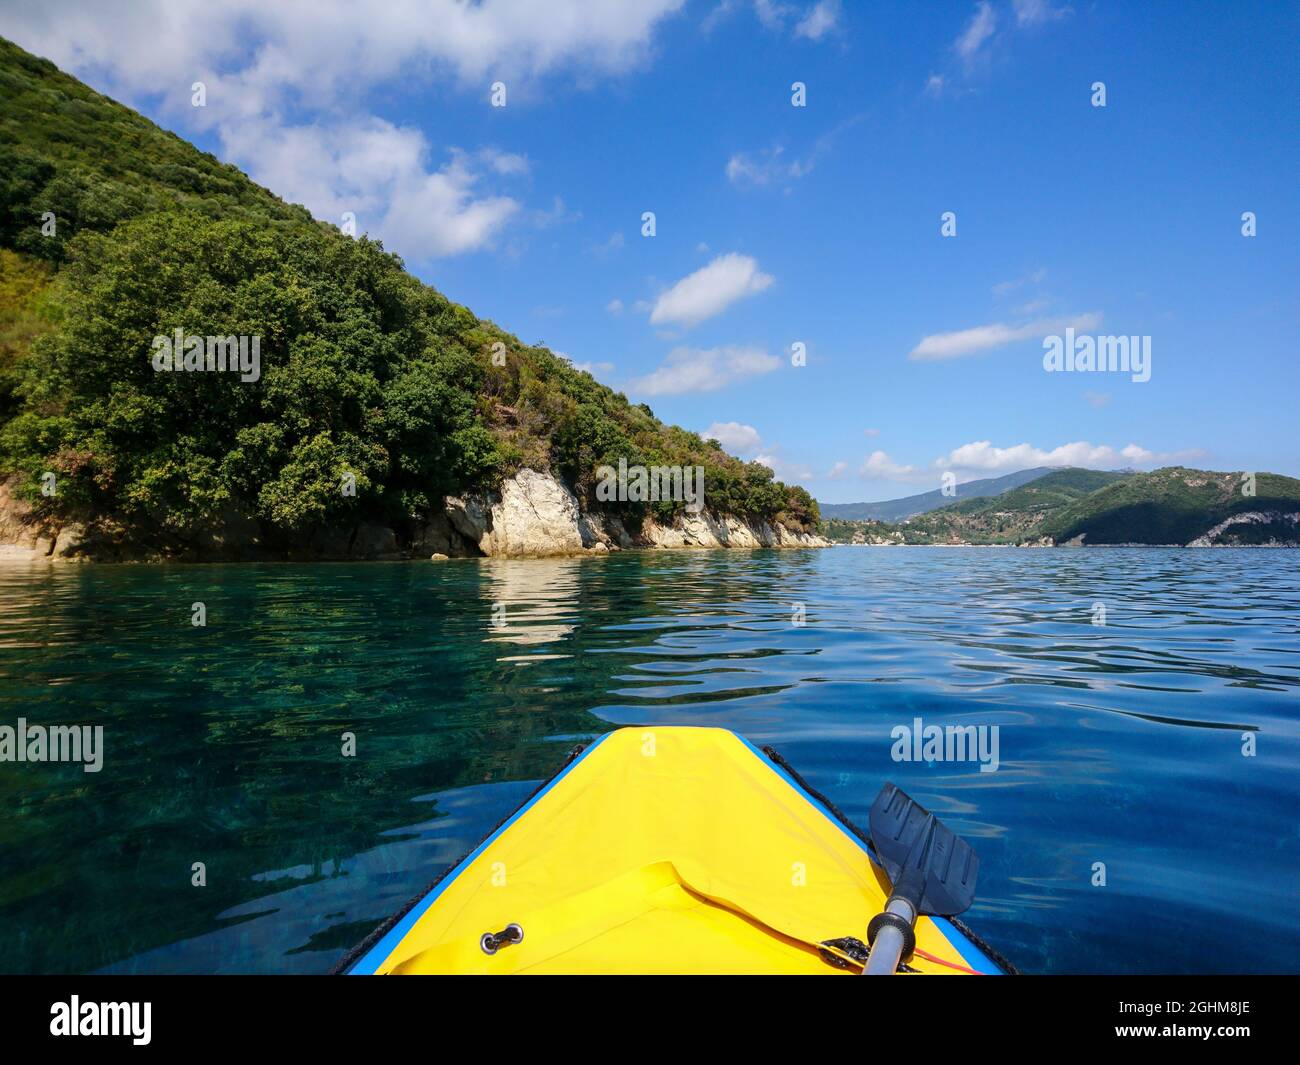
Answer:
(927, 864)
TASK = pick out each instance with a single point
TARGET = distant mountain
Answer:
(910, 506)
(1012, 516)
(1009, 517)
(1177, 505)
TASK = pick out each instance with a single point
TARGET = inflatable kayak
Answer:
(677, 850)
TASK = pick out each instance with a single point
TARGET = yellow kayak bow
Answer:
(660, 850)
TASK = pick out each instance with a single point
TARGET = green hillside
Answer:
(1014, 515)
(1174, 505)
(23, 284)
(93, 163)
(1054, 490)
(364, 370)
(1168, 506)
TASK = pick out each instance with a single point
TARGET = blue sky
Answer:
(778, 224)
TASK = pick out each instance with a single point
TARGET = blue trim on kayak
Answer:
(973, 956)
(376, 955)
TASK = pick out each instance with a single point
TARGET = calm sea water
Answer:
(1121, 744)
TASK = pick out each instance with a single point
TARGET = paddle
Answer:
(932, 872)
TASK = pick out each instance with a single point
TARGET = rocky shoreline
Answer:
(533, 516)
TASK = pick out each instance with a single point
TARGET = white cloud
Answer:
(1034, 277)
(558, 214)
(812, 23)
(736, 437)
(982, 458)
(821, 20)
(507, 163)
(745, 441)
(973, 44)
(954, 345)
(614, 306)
(772, 14)
(592, 368)
(771, 167)
(704, 370)
(710, 290)
(837, 472)
(871, 432)
(765, 168)
(977, 31)
(322, 48)
(608, 246)
(314, 60)
(784, 471)
(1097, 399)
(380, 173)
(1037, 12)
(878, 466)
(433, 215)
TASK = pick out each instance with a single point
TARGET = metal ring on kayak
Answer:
(491, 942)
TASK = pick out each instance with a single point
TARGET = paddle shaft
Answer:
(888, 945)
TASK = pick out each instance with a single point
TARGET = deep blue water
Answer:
(1120, 744)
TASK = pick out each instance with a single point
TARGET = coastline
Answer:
(534, 515)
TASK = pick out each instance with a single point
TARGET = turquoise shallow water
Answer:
(466, 682)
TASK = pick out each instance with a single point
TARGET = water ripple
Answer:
(1160, 746)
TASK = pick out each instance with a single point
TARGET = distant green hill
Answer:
(366, 373)
(1009, 517)
(1167, 506)
(1012, 516)
(1176, 505)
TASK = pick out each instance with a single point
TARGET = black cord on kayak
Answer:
(854, 953)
